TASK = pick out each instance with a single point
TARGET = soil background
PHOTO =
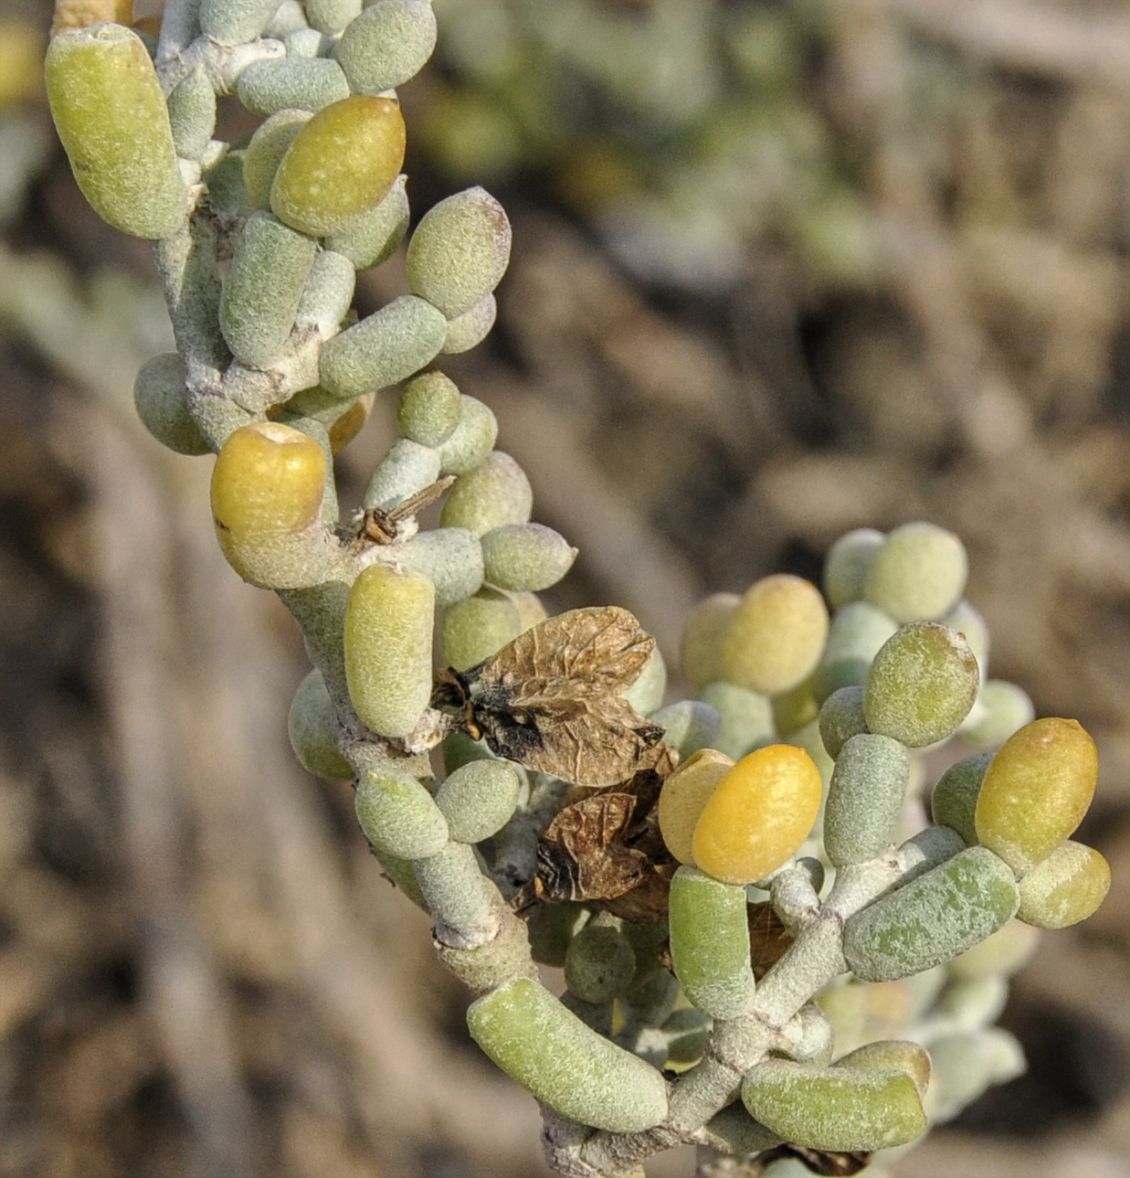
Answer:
(780, 270)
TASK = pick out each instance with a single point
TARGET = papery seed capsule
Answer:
(388, 648)
(746, 717)
(855, 637)
(599, 963)
(527, 556)
(921, 685)
(1036, 790)
(292, 83)
(468, 330)
(710, 943)
(865, 797)
(1065, 888)
(385, 347)
(428, 410)
(846, 565)
(688, 725)
(918, 573)
(267, 490)
(387, 44)
(954, 799)
(398, 816)
(268, 271)
(451, 558)
(478, 799)
(476, 628)
(472, 439)
(758, 815)
(341, 164)
(373, 236)
(312, 727)
(459, 251)
(161, 400)
(564, 1063)
(114, 125)
(775, 636)
(683, 797)
(841, 718)
(1002, 709)
(835, 1108)
(933, 918)
(703, 637)
(265, 151)
(494, 494)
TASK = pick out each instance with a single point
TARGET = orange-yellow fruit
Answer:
(758, 815)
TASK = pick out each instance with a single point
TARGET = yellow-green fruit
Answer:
(921, 684)
(1067, 887)
(565, 1064)
(918, 573)
(701, 653)
(267, 489)
(388, 648)
(759, 814)
(776, 635)
(1036, 790)
(341, 163)
(683, 797)
(114, 125)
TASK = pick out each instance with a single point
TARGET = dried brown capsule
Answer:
(551, 698)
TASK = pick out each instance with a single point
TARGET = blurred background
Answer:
(781, 269)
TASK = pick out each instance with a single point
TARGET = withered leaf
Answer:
(606, 848)
(551, 698)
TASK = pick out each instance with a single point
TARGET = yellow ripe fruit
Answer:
(267, 486)
(776, 635)
(683, 797)
(1036, 790)
(758, 815)
(341, 164)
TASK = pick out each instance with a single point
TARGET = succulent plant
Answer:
(768, 948)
